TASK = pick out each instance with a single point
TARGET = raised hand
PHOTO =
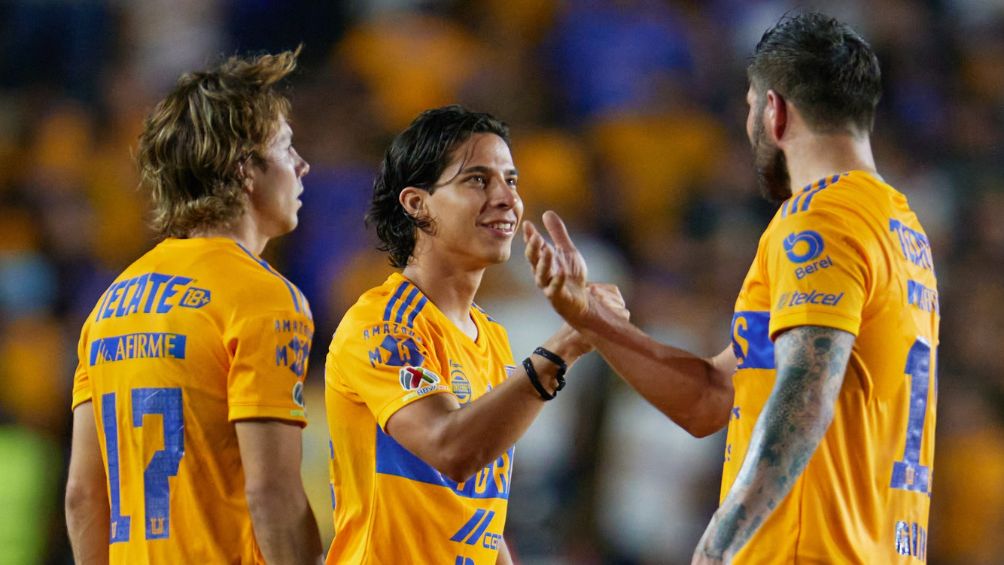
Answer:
(559, 269)
(607, 300)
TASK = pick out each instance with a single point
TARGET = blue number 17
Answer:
(164, 464)
(908, 473)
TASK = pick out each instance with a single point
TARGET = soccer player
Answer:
(424, 398)
(828, 388)
(188, 395)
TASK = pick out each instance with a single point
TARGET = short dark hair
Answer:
(417, 157)
(824, 67)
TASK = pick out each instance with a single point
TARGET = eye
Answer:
(480, 180)
(512, 182)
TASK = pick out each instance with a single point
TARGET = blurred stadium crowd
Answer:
(627, 118)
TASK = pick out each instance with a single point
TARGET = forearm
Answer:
(87, 523)
(473, 436)
(811, 364)
(694, 392)
(505, 557)
(284, 526)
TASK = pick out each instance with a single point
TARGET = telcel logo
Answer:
(804, 246)
(824, 263)
(797, 298)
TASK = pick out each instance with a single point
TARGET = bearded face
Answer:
(772, 175)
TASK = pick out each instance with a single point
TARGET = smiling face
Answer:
(276, 184)
(474, 206)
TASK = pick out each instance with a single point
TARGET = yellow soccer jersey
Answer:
(195, 335)
(846, 252)
(394, 347)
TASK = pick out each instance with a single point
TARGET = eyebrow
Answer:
(483, 169)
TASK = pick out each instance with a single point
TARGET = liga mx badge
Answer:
(415, 377)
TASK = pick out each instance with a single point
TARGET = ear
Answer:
(246, 173)
(776, 115)
(412, 199)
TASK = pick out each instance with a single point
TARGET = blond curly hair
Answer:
(197, 138)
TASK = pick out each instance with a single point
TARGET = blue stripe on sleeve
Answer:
(405, 305)
(393, 300)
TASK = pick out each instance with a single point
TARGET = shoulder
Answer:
(250, 280)
(852, 206)
(395, 307)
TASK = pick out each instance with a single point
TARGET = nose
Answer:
(503, 195)
(302, 166)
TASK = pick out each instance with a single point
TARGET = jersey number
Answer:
(156, 494)
(908, 473)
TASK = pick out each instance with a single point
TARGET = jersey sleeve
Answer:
(819, 271)
(387, 366)
(81, 386)
(81, 381)
(268, 366)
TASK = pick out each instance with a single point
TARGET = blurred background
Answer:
(627, 117)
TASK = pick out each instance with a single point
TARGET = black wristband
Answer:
(553, 358)
(531, 373)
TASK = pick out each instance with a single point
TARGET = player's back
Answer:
(847, 253)
(174, 352)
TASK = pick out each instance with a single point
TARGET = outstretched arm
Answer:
(460, 440)
(811, 362)
(695, 392)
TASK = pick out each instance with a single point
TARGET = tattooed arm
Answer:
(810, 370)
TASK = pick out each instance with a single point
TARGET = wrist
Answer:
(568, 344)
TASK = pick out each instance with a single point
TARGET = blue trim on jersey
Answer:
(476, 536)
(418, 308)
(393, 459)
(393, 300)
(801, 201)
(404, 305)
(267, 267)
(485, 312)
(751, 340)
(467, 528)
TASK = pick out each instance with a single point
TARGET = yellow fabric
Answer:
(205, 334)
(845, 252)
(390, 506)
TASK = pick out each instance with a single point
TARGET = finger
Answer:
(529, 230)
(544, 267)
(558, 232)
(532, 251)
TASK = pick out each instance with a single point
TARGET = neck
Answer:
(243, 232)
(815, 156)
(450, 288)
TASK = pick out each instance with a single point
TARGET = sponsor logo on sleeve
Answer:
(797, 298)
(417, 378)
(396, 351)
(293, 355)
(802, 247)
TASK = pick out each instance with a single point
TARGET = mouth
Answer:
(502, 228)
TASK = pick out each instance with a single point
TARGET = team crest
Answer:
(459, 384)
(416, 377)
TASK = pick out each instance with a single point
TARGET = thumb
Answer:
(558, 232)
